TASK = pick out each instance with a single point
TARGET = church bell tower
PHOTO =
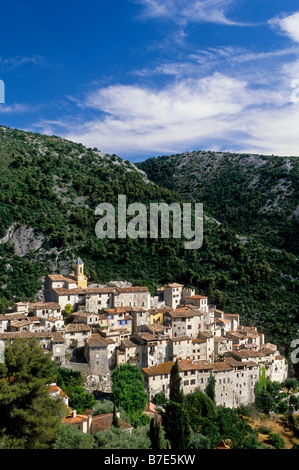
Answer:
(79, 273)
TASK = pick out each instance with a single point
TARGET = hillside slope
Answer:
(50, 188)
(256, 195)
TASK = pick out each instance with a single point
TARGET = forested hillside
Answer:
(256, 195)
(50, 188)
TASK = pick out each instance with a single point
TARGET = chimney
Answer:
(74, 412)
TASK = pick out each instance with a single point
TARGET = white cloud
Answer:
(10, 63)
(215, 112)
(16, 108)
(289, 25)
(183, 11)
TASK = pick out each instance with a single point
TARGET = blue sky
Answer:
(142, 78)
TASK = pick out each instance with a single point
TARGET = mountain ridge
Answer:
(50, 188)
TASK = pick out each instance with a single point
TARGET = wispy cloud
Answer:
(17, 108)
(10, 63)
(214, 112)
(186, 11)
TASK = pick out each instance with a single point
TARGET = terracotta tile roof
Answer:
(26, 334)
(204, 365)
(239, 364)
(132, 289)
(247, 353)
(196, 297)
(44, 305)
(104, 422)
(147, 336)
(166, 367)
(78, 419)
(97, 340)
(57, 338)
(99, 290)
(186, 365)
(61, 277)
(221, 366)
(206, 334)
(63, 291)
(15, 316)
(73, 327)
(176, 339)
(184, 313)
(128, 343)
(160, 369)
(174, 284)
(53, 388)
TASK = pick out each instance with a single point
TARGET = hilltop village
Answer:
(94, 329)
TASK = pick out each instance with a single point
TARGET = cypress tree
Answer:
(175, 393)
(115, 420)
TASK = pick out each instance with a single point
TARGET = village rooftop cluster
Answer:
(114, 325)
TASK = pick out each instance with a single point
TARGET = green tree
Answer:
(29, 417)
(199, 441)
(232, 426)
(176, 425)
(117, 439)
(175, 393)
(199, 407)
(276, 441)
(265, 402)
(70, 437)
(115, 420)
(155, 434)
(128, 391)
(211, 387)
(79, 399)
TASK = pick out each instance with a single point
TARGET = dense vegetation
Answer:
(53, 186)
(255, 195)
(29, 417)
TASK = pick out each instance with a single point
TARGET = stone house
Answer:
(119, 319)
(91, 319)
(4, 322)
(157, 315)
(49, 341)
(153, 350)
(234, 380)
(104, 422)
(100, 353)
(234, 319)
(140, 316)
(98, 298)
(129, 352)
(173, 294)
(53, 324)
(138, 296)
(76, 333)
(58, 348)
(220, 326)
(210, 348)
(81, 422)
(180, 347)
(184, 321)
(75, 297)
(199, 301)
(45, 310)
(222, 345)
